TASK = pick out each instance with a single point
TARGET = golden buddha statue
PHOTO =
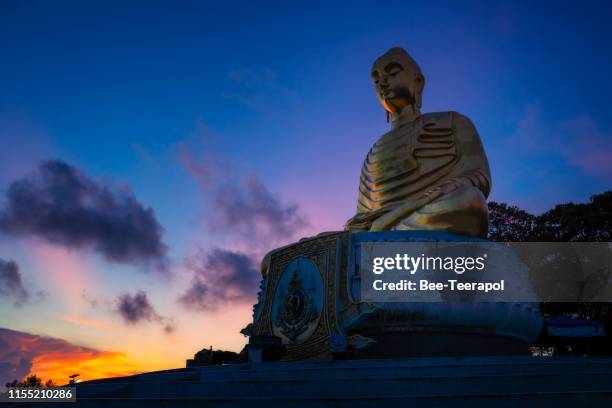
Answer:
(430, 171)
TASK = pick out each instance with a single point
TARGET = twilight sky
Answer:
(153, 151)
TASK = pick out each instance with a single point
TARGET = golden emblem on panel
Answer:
(297, 310)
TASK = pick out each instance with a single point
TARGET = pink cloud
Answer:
(578, 141)
(64, 272)
(585, 145)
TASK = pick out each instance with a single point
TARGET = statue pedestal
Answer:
(311, 299)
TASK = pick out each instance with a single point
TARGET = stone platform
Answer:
(311, 294)
(416, 382)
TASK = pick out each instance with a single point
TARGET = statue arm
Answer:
(474, 160)
(392, 217)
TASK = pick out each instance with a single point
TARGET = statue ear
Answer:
(419, 85)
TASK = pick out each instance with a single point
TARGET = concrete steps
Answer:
(431, 382)
(557, 400)
(387, 385)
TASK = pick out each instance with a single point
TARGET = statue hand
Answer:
(359, 222)
(404, 210)
(363, 221)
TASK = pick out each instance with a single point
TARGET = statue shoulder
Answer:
(462, 127)
(447, 120)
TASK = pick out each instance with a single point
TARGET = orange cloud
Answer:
(56, 359)
(90, 364)
(87, 322)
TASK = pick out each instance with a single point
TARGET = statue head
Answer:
(398, 82)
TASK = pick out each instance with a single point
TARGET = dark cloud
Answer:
(136, 308)
(250, 208)
(11, 284)
(92, 301)
(14, 363)
(63, 206)
(220, 277)
(241, 207)
(196, 297)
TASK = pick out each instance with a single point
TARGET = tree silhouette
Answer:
(585, 222)
(510, 223)
(570, 222)
(590, 222)
(31, 381)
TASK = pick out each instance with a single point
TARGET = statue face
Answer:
(397, 82)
